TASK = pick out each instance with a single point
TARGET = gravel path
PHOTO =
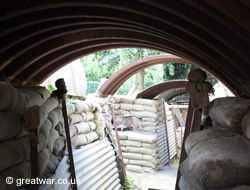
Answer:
(161, 180)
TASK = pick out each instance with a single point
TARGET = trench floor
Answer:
(161, 180)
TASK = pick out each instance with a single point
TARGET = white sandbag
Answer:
(126, 106)
(98, 116)
(126, 99)
(52, 164)
(80, 106)
(17, 172)
(96, 107)
(75, 118)
(55, 116)
(10, 125)
(142, 163)
(32, 97)
(146, 102)
(206, 135)
(141, 150)
(116, 112)
(70, 108)
(143, 114)
(43, 159)
(150, 108)
(98, 124)
(50, 104)
(105, 109)
(149, 119)
(60, 128)
(11, 100)
(122, 135)
(116, 99)
(124, 149)
(59, 146)
(116, 106)
(89, 116)
(124, 112)
(43, 135)
(228, 112)
(14, 152)
(135, 136)
(246, 124)
(130, 143)
(83, 139)
(134, 168)
(137, 107)
(149, 158)
(78, 128)
(148, 145)
(132, 156)
(148, 170)
(92, 125)
(148, 124)
(53, 135)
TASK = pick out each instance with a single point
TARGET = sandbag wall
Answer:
(15, 140)
(152, 120)
(140, 152)
(218, 157)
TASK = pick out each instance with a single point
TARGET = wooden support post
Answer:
(192, 124)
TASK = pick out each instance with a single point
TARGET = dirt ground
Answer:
(161, 180)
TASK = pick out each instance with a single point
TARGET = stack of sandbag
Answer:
(86, 122)
(218, 156)
(151, 116)
(14, 139)
(139, 151)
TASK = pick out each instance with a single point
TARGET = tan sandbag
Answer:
(148, 170)
(53, 135)
(14, 152)
(43, 159)
(246, 124)
(126, 106)
(92, 125)
(17, 172)
(43, 134)
(124, 112)
(11, 100)
(116, 106)
(59, 146)
(137, 107)
(148, 145)
(96, 107)
(141, 150)
(126, 99)
(218, 162)
(116, 99)
(148, 124)
(144, 114)
(142, 163)
(75, 118)
(83, 139)
(206, 135)
(80, 106)
(149, 119)
(70, 108)
(105, 109)
(10, 125)
(98, 116)
(78, 128)
(130, 143)
(228, 112)
(32, 97)
(124, 149)
(132, 156)
(99, 125)
(150, 108)
(146, 102)
(116, 112)
(50, 104)
(134, 168)
(60, 127)
(55, 116)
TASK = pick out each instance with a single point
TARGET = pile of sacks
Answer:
(150, 114)
(218, 156)
(15, 140)
(140, 152)
(86, 122)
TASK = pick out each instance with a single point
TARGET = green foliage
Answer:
(51, 88)
(92, 86)
(131, 183)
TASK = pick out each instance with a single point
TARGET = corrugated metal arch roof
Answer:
(39, 37)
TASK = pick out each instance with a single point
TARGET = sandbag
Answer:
(55, 116)
(150, 108)
(98, 116)
(43, 159)
(143, 163)
(126, 106)
(122, 135)
(149, 124)
(135, 136)
(148, 170)
(126, 99)
(206, 135)
(219, 162)
(79, 128)
(80, 106)
(32, 97)
(148, 145)
(137, 107)
(116, 99)
(89, 116)
(228, 112)
(141, 150)
(10, 125)
(70, 108)
(146, 102)
(59, 146)
(134, 168)
(132, 156)
(53, 135)
(11, 100)
(130, 143)
(150, 158)
(98, 124)
(43, 135)
(14, 151)
(20, 171)
(50, 104)
(83, 139)
(143, 114)
(75, 118)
